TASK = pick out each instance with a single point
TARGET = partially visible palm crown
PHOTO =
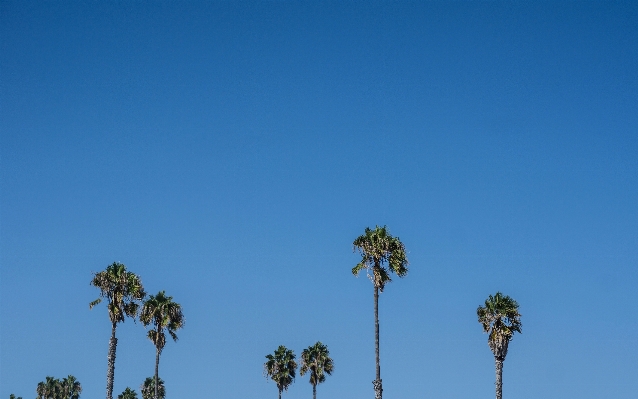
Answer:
(162, 313)
(500, 319)
(378, 249)
(316, 360)
(148, 388)
(281, 367)
(53, 388)
(128, 393)
(121, 288)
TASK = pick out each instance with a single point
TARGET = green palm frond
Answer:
(121, 288)
(148, 388)
(281, 367)
(316, 360)
(500, 319)
(128, 393)
(381, 253)
(163, 314)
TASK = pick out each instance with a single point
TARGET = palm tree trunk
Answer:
(314, 391)
(157, 355)
(280, 394)
(499, 378)
(378, 390)
(110, 373)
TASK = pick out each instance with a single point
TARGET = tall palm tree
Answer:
(148, 388)
(128, 393)
(163, 314)
(123, 290)
(281, 368)
(500, 320)
(316, 360)
(380, 254)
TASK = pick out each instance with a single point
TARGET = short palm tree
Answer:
(316, 360)
(148, 388)
(281, 368)
(71, 388)
(500, 320)
(380, 254)
(128, 393)
(162, 313)
(12, 396)
(51, 388)
(123, 290)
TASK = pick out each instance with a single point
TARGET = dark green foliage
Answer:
(316, 360)
(162, 313)
(148, 388)
(499, 317)
(53, 388)
(123, 290)
(379, 249)
(128, 393)
(12, 396)
(281, 368)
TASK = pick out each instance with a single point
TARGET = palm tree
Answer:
(500, 320)
(281, 367)
(123, 290)
(71, 388)
(163, 314)
(316, 360)
(12, 396)
(149, 391)
(51, 388)
(379, 249)
(128, 393)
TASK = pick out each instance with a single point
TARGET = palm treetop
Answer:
(499, 317)
(316, 360)
(122, 289)
(160, 311)
(379, 249)
(281, 367)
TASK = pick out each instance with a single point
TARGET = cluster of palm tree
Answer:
(53, 388)
(383, 254)
(147, 388)
(315, 360)
(125, 294)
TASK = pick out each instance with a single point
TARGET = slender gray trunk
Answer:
(499, 378)
(314, 391)
(157, 355)
(110, 373)
(280, 394)
(378, 389)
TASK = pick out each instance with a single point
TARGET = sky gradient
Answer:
(230, 152)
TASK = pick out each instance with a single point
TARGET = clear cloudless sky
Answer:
(230, 152)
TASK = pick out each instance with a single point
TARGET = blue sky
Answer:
(229, 153)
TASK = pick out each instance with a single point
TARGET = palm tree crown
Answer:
(281, 367)
(500, 320)
(128, 393)
(316, 360)
(148, 388)
(378, 249)
(53, 388)
(121, 288)
(163, 314)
